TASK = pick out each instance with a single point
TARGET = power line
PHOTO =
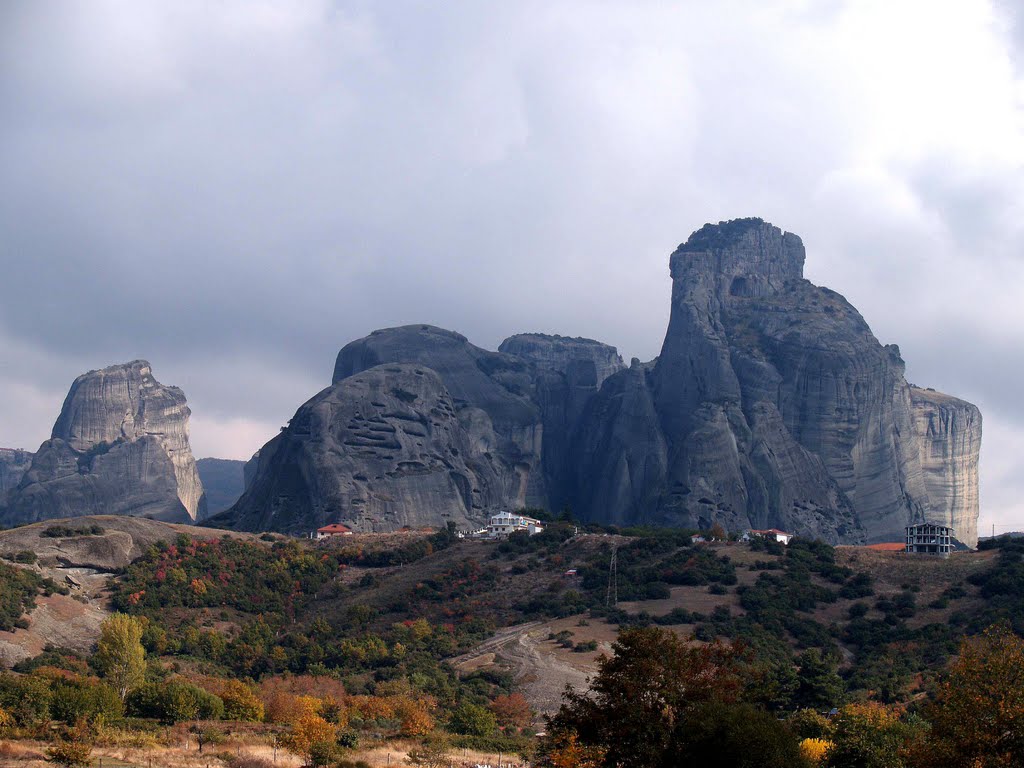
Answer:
(612, 597)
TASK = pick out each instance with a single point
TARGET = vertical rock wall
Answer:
(119, 446)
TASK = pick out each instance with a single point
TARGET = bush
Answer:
(473, 720)
(65, 532)
(174, 702)
(70, 754)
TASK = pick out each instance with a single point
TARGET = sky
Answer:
(235, 190)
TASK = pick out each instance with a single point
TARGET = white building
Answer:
(332, 530)
(506, 523)
(772, 533)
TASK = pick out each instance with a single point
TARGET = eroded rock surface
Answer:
(14, 463)
(771, 405)
(120, 445)
(950, 442)
(380, 449)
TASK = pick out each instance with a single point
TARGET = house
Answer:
(334, 529)
(772, 533)
(697, 539)
(929, 539)
(506, 523)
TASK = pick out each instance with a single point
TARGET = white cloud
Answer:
(235, 190)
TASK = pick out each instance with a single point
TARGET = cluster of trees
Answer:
(19, 588)
(224, 573)
(69, 531)
(660, 701)
(321, 716)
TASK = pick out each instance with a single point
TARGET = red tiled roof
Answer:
(334, 528)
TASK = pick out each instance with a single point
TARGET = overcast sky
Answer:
(234, 190)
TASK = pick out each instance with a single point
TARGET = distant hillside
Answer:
(531, 613)
(223, 482)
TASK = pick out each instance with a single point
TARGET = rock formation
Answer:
(223, 482)
(14, 463)
(119, 446)
(949, 432)
(381, 449)
(771, 404)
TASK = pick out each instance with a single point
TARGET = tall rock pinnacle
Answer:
(119, 446)
(771, 405)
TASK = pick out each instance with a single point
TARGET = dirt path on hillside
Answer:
(540, 675)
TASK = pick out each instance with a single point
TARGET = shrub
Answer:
(70, 754)
(173, 702)
(472, 720)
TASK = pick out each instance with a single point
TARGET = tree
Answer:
(512, 711)
(639, 702)
(120, 657)
(868, 735)
(720, 735)
(174, 702)
(814, 750)
(472, 720)
(307, 732)
(415, 717)
(74, 750)
(819, 685)
(240, 701)
(978, 714)
(564, 750)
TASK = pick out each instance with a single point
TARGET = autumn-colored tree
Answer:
(564, 750)
(240, 701)
(814, 751)
(718, 532)
(120, 657)
(978, 714)
(374, 707)
(512, 711)
(415, 717)
(73, 749)
(307, 732)
(869, 735)
(637, 706)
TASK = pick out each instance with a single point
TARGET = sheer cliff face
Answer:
(380, 449)
(778, 379)
(119, 446)
(950, 441)
(14, 464)
(771, 404)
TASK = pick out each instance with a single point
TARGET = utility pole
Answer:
(612, 597)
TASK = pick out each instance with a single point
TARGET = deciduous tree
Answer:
(978, 714)
(120, 657)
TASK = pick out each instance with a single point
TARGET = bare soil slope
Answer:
(83, 564)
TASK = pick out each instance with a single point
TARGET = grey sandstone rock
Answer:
(223, 482)
(771, 404)
(119, 446)
(14, 463)
(949, 432)
(380, 449)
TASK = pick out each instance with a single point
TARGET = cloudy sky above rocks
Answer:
(234, 190)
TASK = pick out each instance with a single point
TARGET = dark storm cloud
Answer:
(235, 190)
